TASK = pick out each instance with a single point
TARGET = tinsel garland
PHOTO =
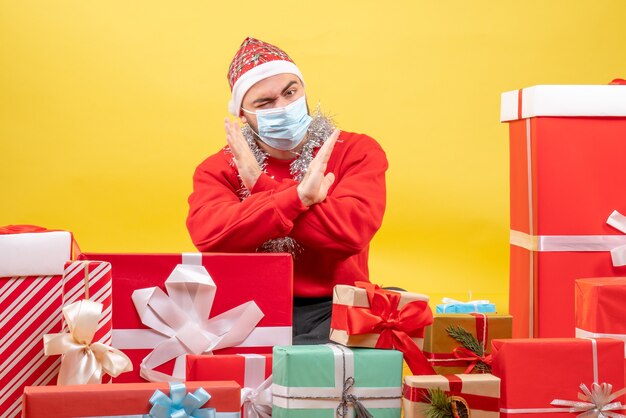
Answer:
(319, 130)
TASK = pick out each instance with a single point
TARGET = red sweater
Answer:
(334, 234)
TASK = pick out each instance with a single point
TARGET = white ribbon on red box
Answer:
(181, 324)
(616, 244)
(256, 395)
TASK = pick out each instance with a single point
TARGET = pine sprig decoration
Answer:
(467, 340)
(440, 405)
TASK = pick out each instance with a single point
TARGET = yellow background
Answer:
(106, 107)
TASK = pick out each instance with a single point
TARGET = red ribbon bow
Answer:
(463, 353)
(20, 229)
(394, 326)
(618, 81)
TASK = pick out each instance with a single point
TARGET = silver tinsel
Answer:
(319, 130)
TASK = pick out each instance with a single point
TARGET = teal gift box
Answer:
(326, 381)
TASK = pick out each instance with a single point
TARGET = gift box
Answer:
(129, 399)
(567, 175)
(368, 316)
(248, 370)
(600, 310)
(478, 393)
(31, 266)
(237, 291)
(448, 355)
(325, 380)
(537, 372)
(251, 371)
(457, 306)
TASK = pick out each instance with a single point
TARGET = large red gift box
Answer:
(123, 400)
(600, 308)
(535, 372)
(568, 175)
(265, 279)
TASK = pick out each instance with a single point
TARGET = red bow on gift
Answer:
(463, 353)
(395, 326)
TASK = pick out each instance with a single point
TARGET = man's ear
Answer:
(243, 119)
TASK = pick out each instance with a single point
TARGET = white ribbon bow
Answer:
(596, 403)
(83, 361)
(618, 254)
(183, 316)
(257, 403)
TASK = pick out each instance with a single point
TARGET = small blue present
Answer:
(456, 306)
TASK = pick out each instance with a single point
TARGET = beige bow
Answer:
(83, 361)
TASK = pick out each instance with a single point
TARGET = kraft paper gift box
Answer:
(536, 372)
(31, 270)
(368, 316)
(251, 371)
(567, 177)
(446, 354)
(128, 400)
(478, 392)
(247, 299)
(321, 380)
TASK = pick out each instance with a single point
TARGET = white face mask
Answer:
(283, 127)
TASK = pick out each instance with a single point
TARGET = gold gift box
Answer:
(439, 346)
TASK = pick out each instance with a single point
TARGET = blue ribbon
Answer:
(180, 404)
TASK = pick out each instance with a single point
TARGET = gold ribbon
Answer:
(83, 361)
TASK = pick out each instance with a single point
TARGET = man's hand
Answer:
(248, 167)
(314, 186)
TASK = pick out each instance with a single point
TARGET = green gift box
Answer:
(326, 381)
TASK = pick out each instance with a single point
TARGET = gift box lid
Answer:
(564, 100)
(34, 253)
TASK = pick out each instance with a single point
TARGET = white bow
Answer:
(83, 361)
(257, 403)
(596, 403)
(618, 254)
(183, 316)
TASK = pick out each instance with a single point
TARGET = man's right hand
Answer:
(247, 165)
(314, 186)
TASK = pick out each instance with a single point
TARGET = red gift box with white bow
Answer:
(251, 371)
(166, 306)
(544, 377)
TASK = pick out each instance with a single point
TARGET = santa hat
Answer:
(254, 61)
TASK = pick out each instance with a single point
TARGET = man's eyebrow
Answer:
(291, 83)
(269, 99)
